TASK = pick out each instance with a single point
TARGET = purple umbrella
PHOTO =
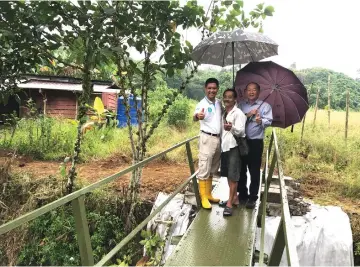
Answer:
(279, 87)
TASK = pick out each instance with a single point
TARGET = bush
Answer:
(52, 240)
(178, 112)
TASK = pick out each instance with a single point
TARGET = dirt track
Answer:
(157, 176)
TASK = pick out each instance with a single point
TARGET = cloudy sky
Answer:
(312, 33)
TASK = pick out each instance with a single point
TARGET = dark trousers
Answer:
(253, 162)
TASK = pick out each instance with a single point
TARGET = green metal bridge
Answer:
(211, 239)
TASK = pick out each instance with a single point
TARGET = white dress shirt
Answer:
(238, 121)
(212, 121)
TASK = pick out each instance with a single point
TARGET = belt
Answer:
(217, 135)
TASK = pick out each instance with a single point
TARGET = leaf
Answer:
(260, 6)
(62, 170)
(253, 13)
(5, 98)
(240, 3)
(170, 72)
(236, 6)
(188, 44)
(227, 3)
(143, 233)
(173, 26)
(130, 42)
(18, 99)
(132, 64)
(269, 11)
(118, 49)
(99, 106)
(109, 11)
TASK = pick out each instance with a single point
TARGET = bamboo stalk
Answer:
(316, 105)
(302, 128)
(329, 102)
(347, 115)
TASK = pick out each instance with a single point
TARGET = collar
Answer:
(210, 102)
(232, 110)
(257, 101)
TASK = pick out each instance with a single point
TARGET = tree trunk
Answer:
(84, 99)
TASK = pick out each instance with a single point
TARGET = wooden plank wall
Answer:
(110, 101)
(62, 104)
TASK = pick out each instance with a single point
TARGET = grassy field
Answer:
(325, 164)
(324, 158)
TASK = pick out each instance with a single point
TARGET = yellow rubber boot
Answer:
(203, 195)
(208, 191)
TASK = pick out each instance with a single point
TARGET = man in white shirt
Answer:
(208, 111)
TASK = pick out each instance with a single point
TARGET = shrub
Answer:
(178, 112)
(52, 240)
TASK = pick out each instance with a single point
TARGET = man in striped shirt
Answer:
(259, 117)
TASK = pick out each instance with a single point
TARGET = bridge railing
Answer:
(77, 198)
(285, 238)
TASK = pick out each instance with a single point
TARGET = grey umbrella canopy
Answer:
(234, 47)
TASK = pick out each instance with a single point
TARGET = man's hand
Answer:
(201, 115)
(258, 118)
(252, 113)
(227, 126)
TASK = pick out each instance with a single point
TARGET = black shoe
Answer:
(243, 202)
(223, 203)
(250, 204)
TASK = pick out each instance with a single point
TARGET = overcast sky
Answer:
(312, 33)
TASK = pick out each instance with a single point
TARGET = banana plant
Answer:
(100, 116)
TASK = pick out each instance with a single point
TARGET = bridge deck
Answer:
(216, 240)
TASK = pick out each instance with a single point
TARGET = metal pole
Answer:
(192, 171)
(82, 231)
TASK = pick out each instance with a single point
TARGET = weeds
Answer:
(51, 238)
(324, 153)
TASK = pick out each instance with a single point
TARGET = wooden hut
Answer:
(58, 96)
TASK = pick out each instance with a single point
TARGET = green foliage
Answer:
(339, 84)
(41, 137)
(52, 239)
(357, 249)
(124, 262)
(51, 139)
(157, 97)
(195, 89)
(153, 247)
(178, 112)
